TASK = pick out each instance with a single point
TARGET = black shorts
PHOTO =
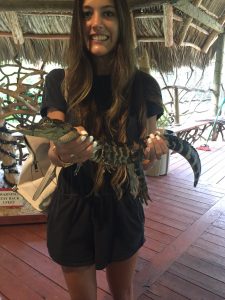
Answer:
(86, 231)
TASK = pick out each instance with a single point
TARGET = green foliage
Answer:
(165, 120)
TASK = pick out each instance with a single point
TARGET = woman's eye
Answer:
(87, 14)
(109, 14)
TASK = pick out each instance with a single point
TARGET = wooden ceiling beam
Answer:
(185, 44)
(39, 36)
(145, 3)
(187, 24)
(15, 27)
(175, 17)
(208, 12)
(212, 37)
(150, 39)
(168, 24)
(148, 16)
(62, 5)
(33, 5)
(197, 14)
(134, 35)
(162, 40)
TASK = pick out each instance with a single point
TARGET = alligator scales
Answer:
(112, 155)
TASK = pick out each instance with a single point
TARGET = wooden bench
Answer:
(193, 131)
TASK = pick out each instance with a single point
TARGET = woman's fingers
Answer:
(78, 150)
(156, 147)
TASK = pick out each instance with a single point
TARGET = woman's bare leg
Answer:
(81, 282)
(120, 278)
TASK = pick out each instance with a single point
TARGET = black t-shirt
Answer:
(145, 89)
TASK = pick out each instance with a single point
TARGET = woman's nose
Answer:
(97, 21)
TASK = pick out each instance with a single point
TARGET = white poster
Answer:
(9, 198)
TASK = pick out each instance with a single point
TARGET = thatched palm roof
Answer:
(174, 32)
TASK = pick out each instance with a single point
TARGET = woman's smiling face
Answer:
(101, 26)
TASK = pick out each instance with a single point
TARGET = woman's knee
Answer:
(120, 278)
(81, 282)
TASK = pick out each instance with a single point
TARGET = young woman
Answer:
(94, 220)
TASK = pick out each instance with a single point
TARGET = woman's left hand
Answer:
(156, 147)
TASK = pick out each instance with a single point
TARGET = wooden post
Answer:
(176, 105)
(218, 73)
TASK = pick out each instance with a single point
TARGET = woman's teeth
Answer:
(99, 37)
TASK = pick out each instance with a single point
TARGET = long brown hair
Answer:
(80, 77)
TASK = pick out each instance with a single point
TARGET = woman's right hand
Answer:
(78, 150)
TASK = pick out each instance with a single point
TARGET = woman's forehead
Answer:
(99, 3)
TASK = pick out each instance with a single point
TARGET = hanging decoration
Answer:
(20, 91)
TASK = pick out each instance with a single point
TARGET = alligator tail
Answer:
(187, 151)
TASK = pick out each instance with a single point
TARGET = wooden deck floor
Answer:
(183, 256)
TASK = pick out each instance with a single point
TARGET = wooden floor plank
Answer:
(203, 267)
(162, 228)
(177, 181)
(167, 221)
(27, 237)
(147, 253)
(175, 206)
(32, 258)
(47, 288)
(171, 214)
(199, 279)
(154, 245)
(217, 240)
(158, 291)
(159, 236)
(187, 288)
(38, 229)
(15, 288)
(216, 231)
(211, 247)
(203, 254)
(195, 195)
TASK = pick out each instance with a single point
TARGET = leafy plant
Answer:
(166, 120)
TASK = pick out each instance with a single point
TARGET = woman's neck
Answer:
(102, 65)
